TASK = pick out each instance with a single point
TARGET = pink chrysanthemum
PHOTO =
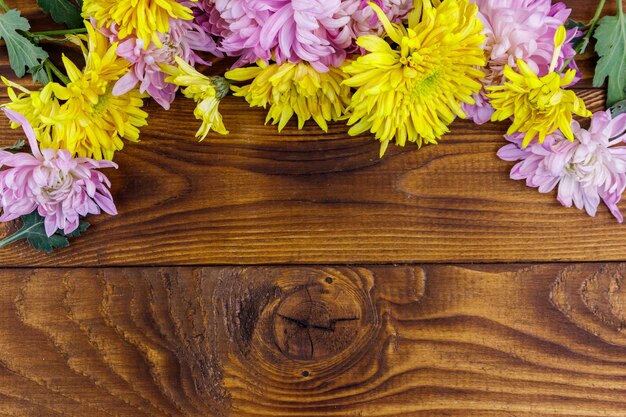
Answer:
(518, 29)
(315, 31)
(286, 30)
(184, 39)
(363, 20)
(587, 170)
(207, 16)
(320, 32)
(59, 187)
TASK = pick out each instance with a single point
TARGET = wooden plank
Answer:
(494, 340)
(256, 197)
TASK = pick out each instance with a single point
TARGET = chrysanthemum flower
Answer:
(38, 107)
(210, 18)
(205, 91)
(320, 32)
(183, 40)
(85, 117)
(587, 170)
(293, 89)
(315, 31)
(59, 187)
(363, 19)
(93, 121)
(538, 105)
(519, 29)
(412, 91)
(145, 19)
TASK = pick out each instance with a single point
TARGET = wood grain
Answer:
(499, 340)
(256, 197)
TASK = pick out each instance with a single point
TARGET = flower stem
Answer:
(592, 26)
(13, 238)
(4, 6)
(620, 7)
(60, 32)
(594, 20)
(49, 66)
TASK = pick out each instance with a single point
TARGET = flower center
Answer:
(548, 95)
(58, 184)
(101, 106)
(426, 85)
(170, 49)
(587, 170)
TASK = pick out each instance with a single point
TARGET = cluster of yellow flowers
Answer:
(409, 85)
(83, 116)
(294, 88)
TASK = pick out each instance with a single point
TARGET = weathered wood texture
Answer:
(497, 340)
(259, 197)
(400, 341)
(256, 197)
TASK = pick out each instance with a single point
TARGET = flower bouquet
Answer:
(399, 71)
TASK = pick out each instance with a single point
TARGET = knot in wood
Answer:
(594, 298)
(311, 324)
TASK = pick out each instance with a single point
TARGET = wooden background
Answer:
(299, 275)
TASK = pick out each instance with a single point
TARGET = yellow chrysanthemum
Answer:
(293, 88)
(93, 121)
(38, 107)
(143, 18)
(539, 105)
(206, 91)
(414, 90)
(84, 117)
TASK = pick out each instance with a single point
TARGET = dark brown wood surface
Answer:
(229, 284)
(466, 341)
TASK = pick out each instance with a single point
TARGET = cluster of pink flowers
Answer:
(519, 29)
(59, 187)
(184, 40)
(320, 32)
(323, 33)
(587, 170)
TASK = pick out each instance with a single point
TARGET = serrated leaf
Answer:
(39, 74)
(23, 55)
(611, 48)
(63, 11)
(34, 231)
(15, 147)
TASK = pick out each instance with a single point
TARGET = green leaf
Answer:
(34, 231)
(15, 147)
(611, 48)
(39, 74)
(63, 11)
(618, 108)
(23, 54)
